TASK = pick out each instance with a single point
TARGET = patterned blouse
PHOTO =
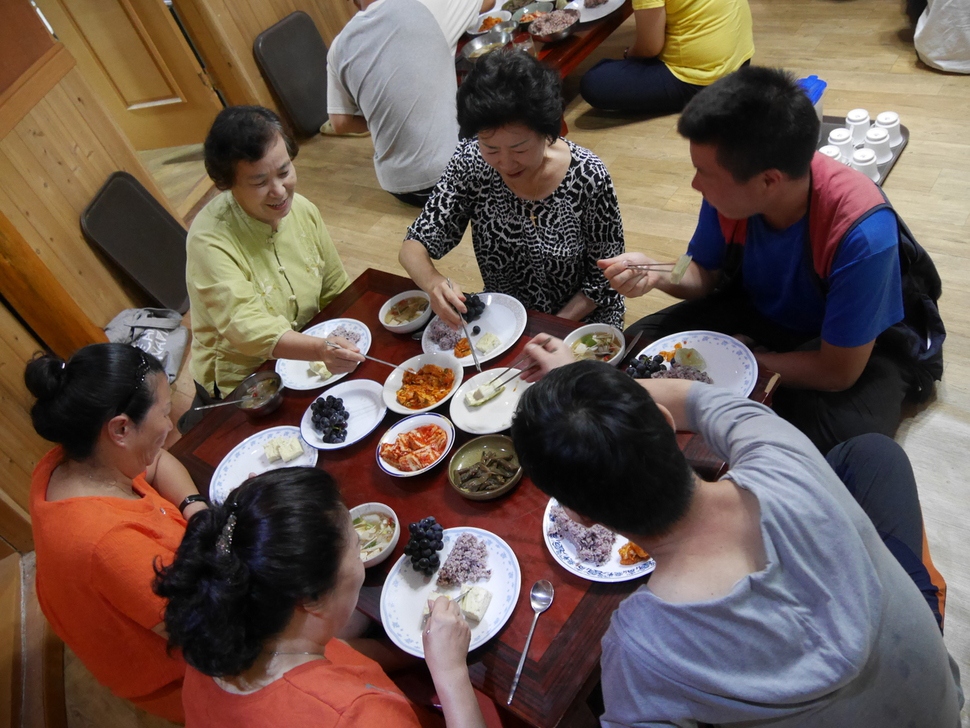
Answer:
(542, 252)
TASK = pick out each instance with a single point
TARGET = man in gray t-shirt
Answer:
(774, 603)
(391, 70)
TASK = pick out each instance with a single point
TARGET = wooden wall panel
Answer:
(22, 41)
(224, 31)
(52, 162)
(10, 652)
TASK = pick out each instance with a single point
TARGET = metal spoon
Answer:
(541, 597)
(224, 403)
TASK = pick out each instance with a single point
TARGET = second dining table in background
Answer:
(563, 663)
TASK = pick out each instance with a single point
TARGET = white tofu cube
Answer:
(290, 448)
(272, 450)
(475, 603)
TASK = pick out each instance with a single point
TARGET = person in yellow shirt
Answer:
(681, 46)
(260, 262)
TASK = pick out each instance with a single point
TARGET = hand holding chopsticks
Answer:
(634, 274)
(370, 358)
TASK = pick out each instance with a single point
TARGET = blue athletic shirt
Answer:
(864, 289)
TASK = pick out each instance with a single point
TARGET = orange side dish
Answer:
(489, 23)
(669, 355)
(630, 554)
(415, 449)
(425, 387)
(463, 348)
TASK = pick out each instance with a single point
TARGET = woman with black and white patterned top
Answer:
(542, 209)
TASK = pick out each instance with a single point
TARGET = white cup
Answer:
(841, 139)
(877, 139)
(889, 120)
(864, 160)
(857, 121)
(831, 151)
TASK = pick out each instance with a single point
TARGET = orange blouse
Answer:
(95, 559)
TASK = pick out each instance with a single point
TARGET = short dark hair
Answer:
(241, 134)
(510, 87)
(286, 547)
(758, 119)
(77, 397)
(591, 437)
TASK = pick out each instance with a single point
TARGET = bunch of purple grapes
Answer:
(644, 367)
(424, 544)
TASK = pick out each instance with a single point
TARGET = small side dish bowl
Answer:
(558, 35)
(395, 380)
(260, 394)
(412, 423)
(486, 43)
(590, 329)
(409, 326)
(539, 7)
(471, 453)
(475, 27)
(379, 509)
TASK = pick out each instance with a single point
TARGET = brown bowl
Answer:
(266, 387)
(470, 453)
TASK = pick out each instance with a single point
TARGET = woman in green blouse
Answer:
(260, 261)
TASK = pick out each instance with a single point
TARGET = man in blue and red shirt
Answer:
(803, 259)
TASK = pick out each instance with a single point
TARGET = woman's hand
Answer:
(546, 353)
(629, 281)
(340, 360)
(445, 300)
(446, 638)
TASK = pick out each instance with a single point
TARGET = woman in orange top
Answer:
(104, 508)
(258, 591)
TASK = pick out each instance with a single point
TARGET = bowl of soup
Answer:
(378, 531)
(405, 312)
(486, 43)
(259, 394)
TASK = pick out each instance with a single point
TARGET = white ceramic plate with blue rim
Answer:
(248, 457)
(364, 402)
(730, 364)
(297, 375)
(587, 15)
(504, 316)
(406, 591)
(610, 572)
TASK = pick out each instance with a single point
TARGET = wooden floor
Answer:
(860, 48)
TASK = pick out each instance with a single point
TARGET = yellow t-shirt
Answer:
(248, 285)
(705, 39)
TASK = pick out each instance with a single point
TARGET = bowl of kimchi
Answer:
(422, 383)
(415, 445)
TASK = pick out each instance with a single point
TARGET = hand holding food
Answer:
(547, 353)
(629, 281)
(446, 637)
(344, 357)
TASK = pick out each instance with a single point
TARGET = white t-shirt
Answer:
(454, 16)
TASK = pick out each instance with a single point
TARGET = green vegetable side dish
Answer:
(375, 531)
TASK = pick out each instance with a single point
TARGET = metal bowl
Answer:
(498, 39)
(539, 7)
(270, 394)
(470, 453)
(560, 35)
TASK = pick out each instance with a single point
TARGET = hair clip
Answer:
(63, 365)
(224, 542)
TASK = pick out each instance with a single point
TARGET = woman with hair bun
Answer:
(542, 210)
(258, 592)
(105, 505)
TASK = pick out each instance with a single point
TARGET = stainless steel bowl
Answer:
(262, 401)
(564, 33)
(497, 38)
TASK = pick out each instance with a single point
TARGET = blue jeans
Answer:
(638, 85)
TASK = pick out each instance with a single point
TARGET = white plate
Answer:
(395, 380)
(504, 316)
(610, 572)
(297, 374)
(406, 591)
(248, 457)
(493, 416)
(473, 29)
(364, 402)
(412, 423)
(730, 364)
(587, 15)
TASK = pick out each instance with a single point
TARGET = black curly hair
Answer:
(287, 542)
(510, 87)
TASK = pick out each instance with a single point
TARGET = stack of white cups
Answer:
(889, 120)
(864, 160)
(876, 141)
(841, 139)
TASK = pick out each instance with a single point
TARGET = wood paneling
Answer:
(23, 40)
(224, 30)
(10, 651)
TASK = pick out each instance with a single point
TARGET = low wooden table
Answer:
(564, 656)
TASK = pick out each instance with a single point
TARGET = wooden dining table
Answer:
(563, 661)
